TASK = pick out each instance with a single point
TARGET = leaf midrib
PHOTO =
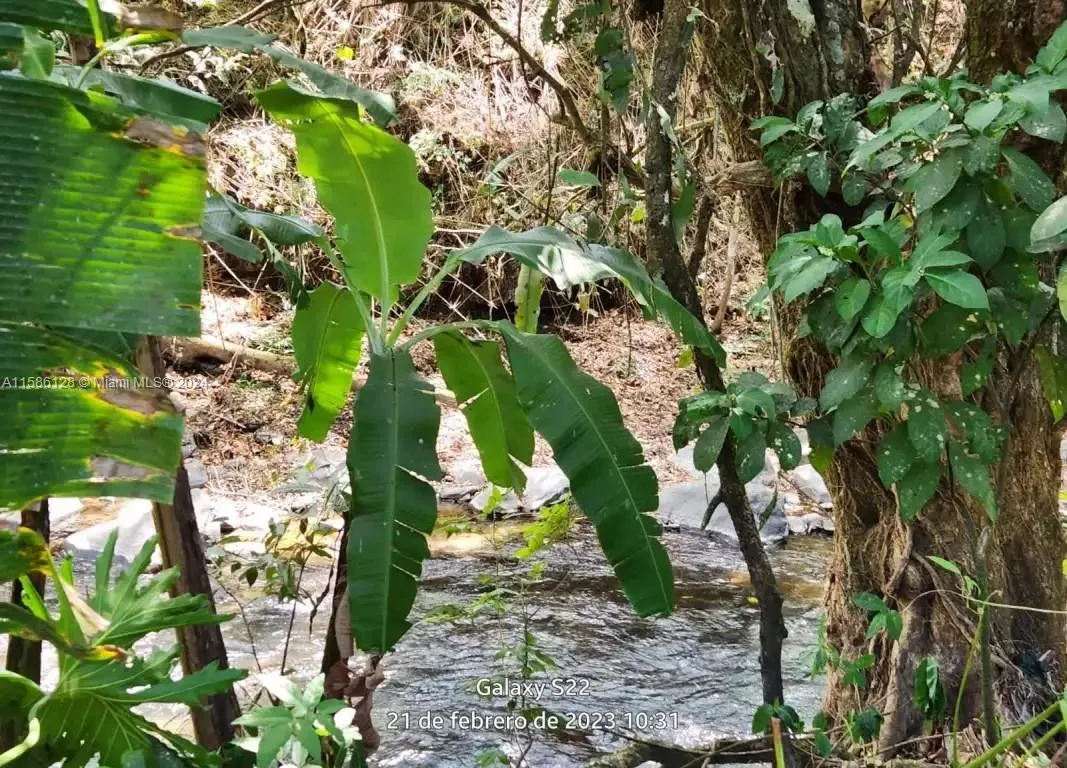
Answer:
(469, 346)
(379, 230)
(618, 470)
(313, 373)
(394, 440)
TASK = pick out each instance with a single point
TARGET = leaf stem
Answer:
(374, 338)
(109, 47)
(485, 325)
(450, 265)
(97, 21)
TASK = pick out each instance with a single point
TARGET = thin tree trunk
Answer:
(180, 545)
(24, 656)
(332, 652)
(670, 58)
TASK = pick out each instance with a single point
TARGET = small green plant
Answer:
(758, 412)
(785, 714)
(929, 692)
(303, 730)
(882, 616)
(102, 678)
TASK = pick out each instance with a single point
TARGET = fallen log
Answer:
(190, 351)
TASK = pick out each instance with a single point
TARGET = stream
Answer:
(685, 679)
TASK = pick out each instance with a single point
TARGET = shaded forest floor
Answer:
(243, 420)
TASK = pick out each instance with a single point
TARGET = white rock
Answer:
(684, 460)
(544, 486)
(812, 522)
(197, 473)
(61, 510)
(508, 504)
(685, 503)
(134, 524)
(810, 484)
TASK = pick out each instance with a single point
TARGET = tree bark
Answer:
(24, 656)
(181, 546)
(822, 55)
(671, 53)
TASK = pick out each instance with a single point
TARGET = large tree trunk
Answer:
(824, 54)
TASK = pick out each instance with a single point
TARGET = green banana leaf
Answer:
(99, 241)
(569, 263)
(656, 299)
(367, 179)
(152, 96)
(99, 231)
(610, 480)
(475, 373)
(75, 426)
(392, 454)
(224, 213)
(226, 222)
(327, 344)
(528, 291)
(11, 45)
(378, 105)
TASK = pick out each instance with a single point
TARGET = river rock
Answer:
(810, 484)
(60, 510)
(508, 504)
(812, 522)
(544, 486)
(247, 519)
(134, 524)
(684, 504)
(650, 764)
(197, 473)
(466, 479)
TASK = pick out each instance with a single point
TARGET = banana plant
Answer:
(105, 173)
(96, 238)
(90, 711)
(509, 381)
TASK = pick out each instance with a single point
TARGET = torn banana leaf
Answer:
(73, 424)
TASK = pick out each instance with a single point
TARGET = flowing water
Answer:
(685, 679)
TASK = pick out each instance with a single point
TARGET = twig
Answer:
(731, 266)
(263, 8)
(570, 108)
